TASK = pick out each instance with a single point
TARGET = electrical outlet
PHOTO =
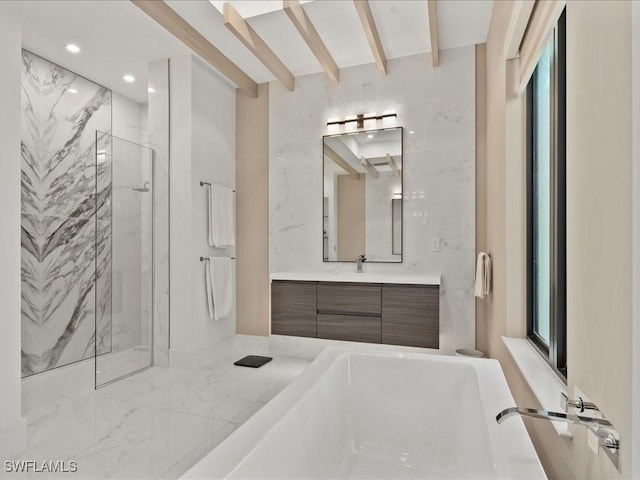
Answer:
(276, 248)
(435, 244)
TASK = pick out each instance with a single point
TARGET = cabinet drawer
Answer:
(293, 308)
(411, 315)
(352, 328)
(356, 298)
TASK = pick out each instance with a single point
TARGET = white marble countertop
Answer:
(366, 277)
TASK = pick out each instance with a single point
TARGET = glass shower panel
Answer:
(124, 260)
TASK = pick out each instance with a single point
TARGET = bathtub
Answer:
(370, 413)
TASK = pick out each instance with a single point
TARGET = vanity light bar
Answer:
(357, 133)
(360, 119)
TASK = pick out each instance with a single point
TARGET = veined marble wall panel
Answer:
(61, 114)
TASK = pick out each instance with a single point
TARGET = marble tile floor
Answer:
(155, 424)
(112, 366)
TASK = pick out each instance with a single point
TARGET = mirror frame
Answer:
(391, 231)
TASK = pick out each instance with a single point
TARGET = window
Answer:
(546, 200)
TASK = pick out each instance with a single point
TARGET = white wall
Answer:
(600, 208)
(379, 193)
(635, 315)
(439, 171)
(203, 149)
(127, 118)
(13, 429)
(599, 219)
(213, 141)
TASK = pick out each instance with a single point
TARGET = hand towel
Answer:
(483, 275)
(208, 288)
(219, 287)
(220, 219)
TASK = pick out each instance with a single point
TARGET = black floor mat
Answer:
(253, 361)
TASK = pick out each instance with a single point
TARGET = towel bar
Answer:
(202, 184)
(206, 259)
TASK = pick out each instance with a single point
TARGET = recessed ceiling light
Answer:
(129, 78)
(72, 90)
(151, 90)
(411, 131)
(72, 48)
(370, 135)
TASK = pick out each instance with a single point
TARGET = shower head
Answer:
(144, 188)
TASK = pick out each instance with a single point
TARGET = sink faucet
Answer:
(361, 259)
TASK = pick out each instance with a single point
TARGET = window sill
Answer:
(543, 381)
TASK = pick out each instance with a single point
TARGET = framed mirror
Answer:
(362, 196)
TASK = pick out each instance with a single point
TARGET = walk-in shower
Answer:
(91, 292)
(124, 278)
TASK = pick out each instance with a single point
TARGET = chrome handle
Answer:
(580, 404)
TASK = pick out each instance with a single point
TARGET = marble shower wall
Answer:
(438, 104)
(157, 138)
(61, 114)
(130, 225)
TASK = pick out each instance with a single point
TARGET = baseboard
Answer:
(13, 440)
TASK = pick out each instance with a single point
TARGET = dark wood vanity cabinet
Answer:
(293, 308)
(410, 315)
(351, 328)
(346, 298)
(357, 312)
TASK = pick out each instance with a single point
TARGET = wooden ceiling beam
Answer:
(309, 34)
(341, 162)
(187, 34)
(371, 32)
(433, 31)
(393, 165)
(370, 167)
(248, 36)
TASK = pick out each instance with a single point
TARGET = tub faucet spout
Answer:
(593, 423)
(608, 437)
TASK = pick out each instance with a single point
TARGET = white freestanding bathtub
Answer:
(376, 414)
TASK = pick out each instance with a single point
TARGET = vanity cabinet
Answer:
(345, 298)
(293, 308)
(410, 315)
(351, 328)
(393, 314)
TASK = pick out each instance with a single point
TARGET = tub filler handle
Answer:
(608, 437)
(578, 404)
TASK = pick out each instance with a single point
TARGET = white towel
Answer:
(208, 288)
(219, 284)
(220, 219)
(483, 275)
